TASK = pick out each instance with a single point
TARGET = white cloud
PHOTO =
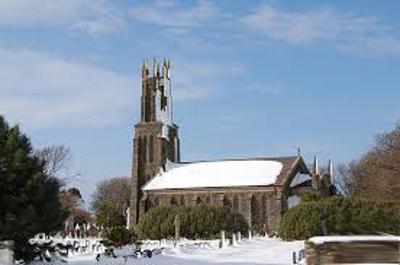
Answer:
(341, 30)
(94, 16)
(41, 90)
(265, 88)
(169, 14)
(200, 79)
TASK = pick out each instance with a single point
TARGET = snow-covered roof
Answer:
(324, 239)
(229, 173)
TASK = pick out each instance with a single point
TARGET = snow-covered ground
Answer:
(254, 251)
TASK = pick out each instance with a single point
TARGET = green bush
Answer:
(340, 216)
(120, 236)
(201, 221)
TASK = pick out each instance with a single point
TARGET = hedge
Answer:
(201, 221)
(340, 216)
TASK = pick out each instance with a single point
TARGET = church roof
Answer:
(225, 173)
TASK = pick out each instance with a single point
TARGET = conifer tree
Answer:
(29, 199)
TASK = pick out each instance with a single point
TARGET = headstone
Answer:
(177, 224)
(6, 253)
(84, 231)
(222, 243)
(239, 236)
(233, 240)
(128, 217)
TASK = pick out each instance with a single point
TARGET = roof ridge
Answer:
(239, 159)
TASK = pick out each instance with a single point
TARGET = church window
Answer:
(226, 202)
(145, 149)
(236, 203)
(255, 212)
(199, 201)
(264, 208)
(147, 205)
(151, 149)
(174, 202)
(164, 151)
(182, 201)
(147, 104)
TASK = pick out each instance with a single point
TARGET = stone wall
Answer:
(260, 206)
(371, 252)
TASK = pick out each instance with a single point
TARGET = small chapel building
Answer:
(261, 189)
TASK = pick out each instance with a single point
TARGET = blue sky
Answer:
(254, 78)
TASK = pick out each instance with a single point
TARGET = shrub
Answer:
(120, 236)
(340, 216)
(201, 221)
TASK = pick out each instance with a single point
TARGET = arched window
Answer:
(174, 202)
(199, 201)
(140, 148)
(255, 212)
(147, 205)
(151, 149)
(263, 209)
(182, 201)
(236, 203)
(226, 202)
(144, 151)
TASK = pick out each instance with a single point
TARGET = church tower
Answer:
(156, 136)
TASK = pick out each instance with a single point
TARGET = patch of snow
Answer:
(171, 165)
(293, 201)
(299, 178)
(164, 111)
(176, 148)
(255, 251)
(323, 239)
(165, 132)
(217, 174)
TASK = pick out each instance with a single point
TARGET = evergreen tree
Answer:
(29, 199)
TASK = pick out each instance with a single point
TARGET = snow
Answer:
(164, 114)
(299, 178)
(293, 201)
(228, 173)
(254, 251)
(323, 239)
(165, 132)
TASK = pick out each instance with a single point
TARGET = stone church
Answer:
(259, 188)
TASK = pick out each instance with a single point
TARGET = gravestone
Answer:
(177, 224)
(233, 240)
(6, 253)
(222, 243)
(239, 236)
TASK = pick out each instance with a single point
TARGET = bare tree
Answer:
(110, 200)
(56, 159)
(377, 174)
